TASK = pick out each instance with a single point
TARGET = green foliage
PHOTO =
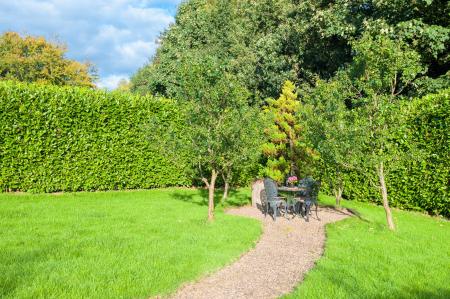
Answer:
(216, 103)
(384, 69)
(33, 59)
(71, 139)
(427, 131)
(330, 130)
(267, 42)
(200, 32)
(419, 167)
(222, 131)
(263, 41)
(376, 78)
(133, 244)
(243, 137)
(286, 150)
(382, 66)
(358, 122)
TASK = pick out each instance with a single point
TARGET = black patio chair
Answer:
(272, 200)
(309, 196)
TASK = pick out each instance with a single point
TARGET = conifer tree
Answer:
(286, 151)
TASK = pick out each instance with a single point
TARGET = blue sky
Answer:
(117, 36)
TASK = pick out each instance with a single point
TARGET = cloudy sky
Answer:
(118, 36)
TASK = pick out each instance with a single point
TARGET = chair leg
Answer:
(317, 207)
(307, 211)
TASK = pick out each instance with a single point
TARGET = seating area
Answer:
(290, 200)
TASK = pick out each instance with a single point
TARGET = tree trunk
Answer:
(338, 195)
(293, 171)
(211, 187)
(225, 191)
(384, 194)
(226, 179)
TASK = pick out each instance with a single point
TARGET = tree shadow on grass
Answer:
(237, 198)
(199, 197)
(344, 211)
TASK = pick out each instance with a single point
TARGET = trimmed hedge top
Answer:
(72, 139)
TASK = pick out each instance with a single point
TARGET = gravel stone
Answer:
(287, 250)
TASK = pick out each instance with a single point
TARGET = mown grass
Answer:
(365, 260)
(113, 244)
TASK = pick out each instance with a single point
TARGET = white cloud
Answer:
(111, 81)
(118, 36)
(134, 52)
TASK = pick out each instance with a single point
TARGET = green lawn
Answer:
(113, 244)
(364, 260)
(141, 243)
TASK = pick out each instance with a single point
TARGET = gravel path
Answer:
(288, 248)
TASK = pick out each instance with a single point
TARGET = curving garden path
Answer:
(288, 248)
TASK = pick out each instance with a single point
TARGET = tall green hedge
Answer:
(421, 182)
(72, 139)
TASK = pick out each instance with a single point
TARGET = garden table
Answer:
(290, 195)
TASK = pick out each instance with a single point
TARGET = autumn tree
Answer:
(33, 59)
(123, 85)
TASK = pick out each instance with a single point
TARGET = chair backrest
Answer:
(263, 197)
(303, 183)
(271, 189)
(312, 187)
(315, 190)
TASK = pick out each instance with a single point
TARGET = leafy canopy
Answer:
(267, 42)
(33, 59)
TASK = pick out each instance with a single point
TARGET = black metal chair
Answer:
(272, 200)
(308, 196)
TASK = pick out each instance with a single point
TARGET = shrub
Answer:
(72, 139)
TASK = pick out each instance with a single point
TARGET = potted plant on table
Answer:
(292, 180)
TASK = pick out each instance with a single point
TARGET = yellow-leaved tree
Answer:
(287, 150)
(33, 59)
